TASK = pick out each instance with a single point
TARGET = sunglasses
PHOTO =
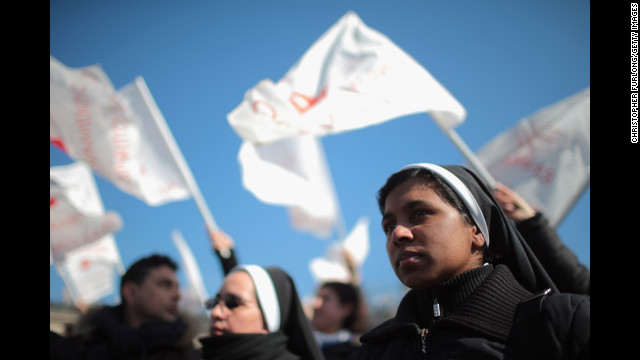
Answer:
(230, 301)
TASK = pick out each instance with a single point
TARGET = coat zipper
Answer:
(423, 338)
(437, 313)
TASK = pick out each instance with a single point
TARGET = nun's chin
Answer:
(412, 278)
(420, 278)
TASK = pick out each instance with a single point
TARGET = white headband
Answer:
(462, 190)
(266, 293)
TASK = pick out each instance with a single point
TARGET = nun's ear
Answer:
(478, 238)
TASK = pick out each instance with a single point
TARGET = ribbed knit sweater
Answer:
(483, 300)
(479, 303)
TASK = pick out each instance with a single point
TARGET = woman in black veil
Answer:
(470, 273)
(257, 315)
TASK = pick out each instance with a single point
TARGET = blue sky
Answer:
(502, 60)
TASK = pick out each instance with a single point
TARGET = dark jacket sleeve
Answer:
(227, 263)
(562, 265)
(566, 327)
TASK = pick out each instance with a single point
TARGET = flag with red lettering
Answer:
(116, 133)
(81, 234)
(351, 77)
(292, 172)
(89, 271)
(545, 158)
(77, 216)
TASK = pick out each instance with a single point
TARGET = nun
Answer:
(257, 315)
(470, 275)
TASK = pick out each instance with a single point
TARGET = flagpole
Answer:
(177, 154)
(191, 270)
(468, 154)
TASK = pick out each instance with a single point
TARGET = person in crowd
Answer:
(339, 309)
(559, 261)
(146, 325)
(257, 314)
(336, 312)
(340, 315)
(472, 278)
(54, 338)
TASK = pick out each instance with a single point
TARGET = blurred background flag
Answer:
(77, 216)
(546, 157)
(195, 293)
(293, 172)
(351, 77)
(114, 132)
(81, 242)
(357, 243)
(89, 271)
(333, 266)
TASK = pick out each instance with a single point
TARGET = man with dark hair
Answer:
(146, 325)
(150, 291)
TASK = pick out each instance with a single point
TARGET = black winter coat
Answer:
(271, 346)
(478, 310)
(341, 351)
(103, 335)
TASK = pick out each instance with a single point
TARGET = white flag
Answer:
(351, 77)
(114, 132)
(332, 266)
(81, 240)
(196, 293)
(545, 158)
(292, 172)
(88, 271)
(77, 216)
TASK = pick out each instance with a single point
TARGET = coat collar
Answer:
(486, 307)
